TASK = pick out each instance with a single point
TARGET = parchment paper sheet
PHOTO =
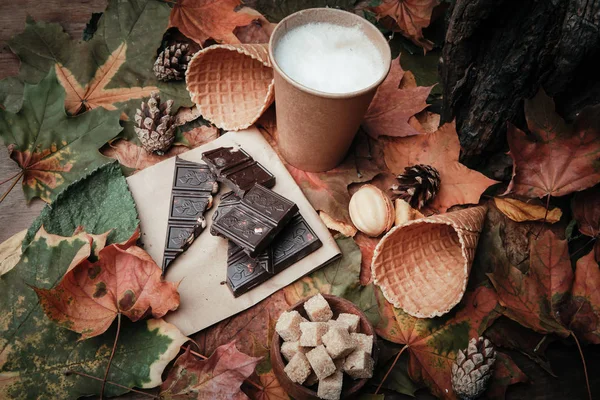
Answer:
(205, 298)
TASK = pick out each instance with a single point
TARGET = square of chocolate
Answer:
(296, 241)
(254, 223)
(196, 177)
(224, 158)
(244, 272)
(189, 206)
(237, 169)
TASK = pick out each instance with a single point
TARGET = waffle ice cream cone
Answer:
(422, 266)
(232, 85)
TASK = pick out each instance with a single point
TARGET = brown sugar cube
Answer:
(337, 324)
(311, 380)
(320, 362)
(359, 364)
(338, 342)
(351, 320)
(318, 309)
(298, 369)
(312, 333)
(330, 388)
(289, 349)
(288, 326)
(363, 342)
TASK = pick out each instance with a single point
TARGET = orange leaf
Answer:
(586, 299)
(409, 17)
(558, 159)
(95, 94)
(135, 157)
(367, 247)
(586, 211)
(122, 280)
(203, 19)
(270, 388)
(459, 184)
(520, 212)
(534, 299)
(433, 343)
(392, 107)
(218, 377)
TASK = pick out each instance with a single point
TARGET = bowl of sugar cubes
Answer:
(323, 348)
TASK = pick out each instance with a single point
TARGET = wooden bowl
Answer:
(300, 392)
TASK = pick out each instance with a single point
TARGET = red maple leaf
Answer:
(124, 280)
(394, 104)
(557, 158)
(218, 377)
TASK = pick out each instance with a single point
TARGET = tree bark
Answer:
(498, 52)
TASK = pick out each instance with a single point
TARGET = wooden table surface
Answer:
(16, 215)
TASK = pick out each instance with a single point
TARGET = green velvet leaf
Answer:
(99, 203)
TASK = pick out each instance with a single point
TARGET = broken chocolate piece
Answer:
(228, 200)
(191, 196)
(237, 169)
(294, 243)
(256, 220)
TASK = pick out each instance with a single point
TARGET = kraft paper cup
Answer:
(316, 128)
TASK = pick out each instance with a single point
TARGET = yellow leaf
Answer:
(340, 226)
(520, 212)
(10, 252)
(95, 94)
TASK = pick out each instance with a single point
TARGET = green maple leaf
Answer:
(112, 70)
(53, 149)
(37, 354)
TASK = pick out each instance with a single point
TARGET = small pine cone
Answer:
(172, 62)
(154, 125)
(472, 369)
(417, 185)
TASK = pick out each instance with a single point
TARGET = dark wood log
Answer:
(498, 52)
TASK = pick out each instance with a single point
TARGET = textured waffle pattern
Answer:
(423, 266)
(232, 85)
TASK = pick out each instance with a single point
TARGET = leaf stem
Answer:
(391, 368)
(587, 381)
(18, 176)
(112, 354)
(545, 216)
(11, 178)
(256, 385)
(111, 383)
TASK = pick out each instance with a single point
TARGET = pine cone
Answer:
(154, 125)
(172, 62)
(472, 371)
(417, 185)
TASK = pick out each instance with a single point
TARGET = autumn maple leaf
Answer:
(433, 342)
(558, 158)
(218, 377)
(95, 94)
(459, 184)
(534, 299)
(586, 211)
(392, 106)
(52, 149)
(408, 17)
(586, 299)
(135, 157)
(203, 19)
(124, 280)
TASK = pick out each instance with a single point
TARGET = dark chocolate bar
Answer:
(191, 196)
(237, 169)
(256, 220)
(228, 200)
(294, 243)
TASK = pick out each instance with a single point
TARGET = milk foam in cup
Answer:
(329, 58)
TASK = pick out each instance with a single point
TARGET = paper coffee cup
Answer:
(316, 128)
